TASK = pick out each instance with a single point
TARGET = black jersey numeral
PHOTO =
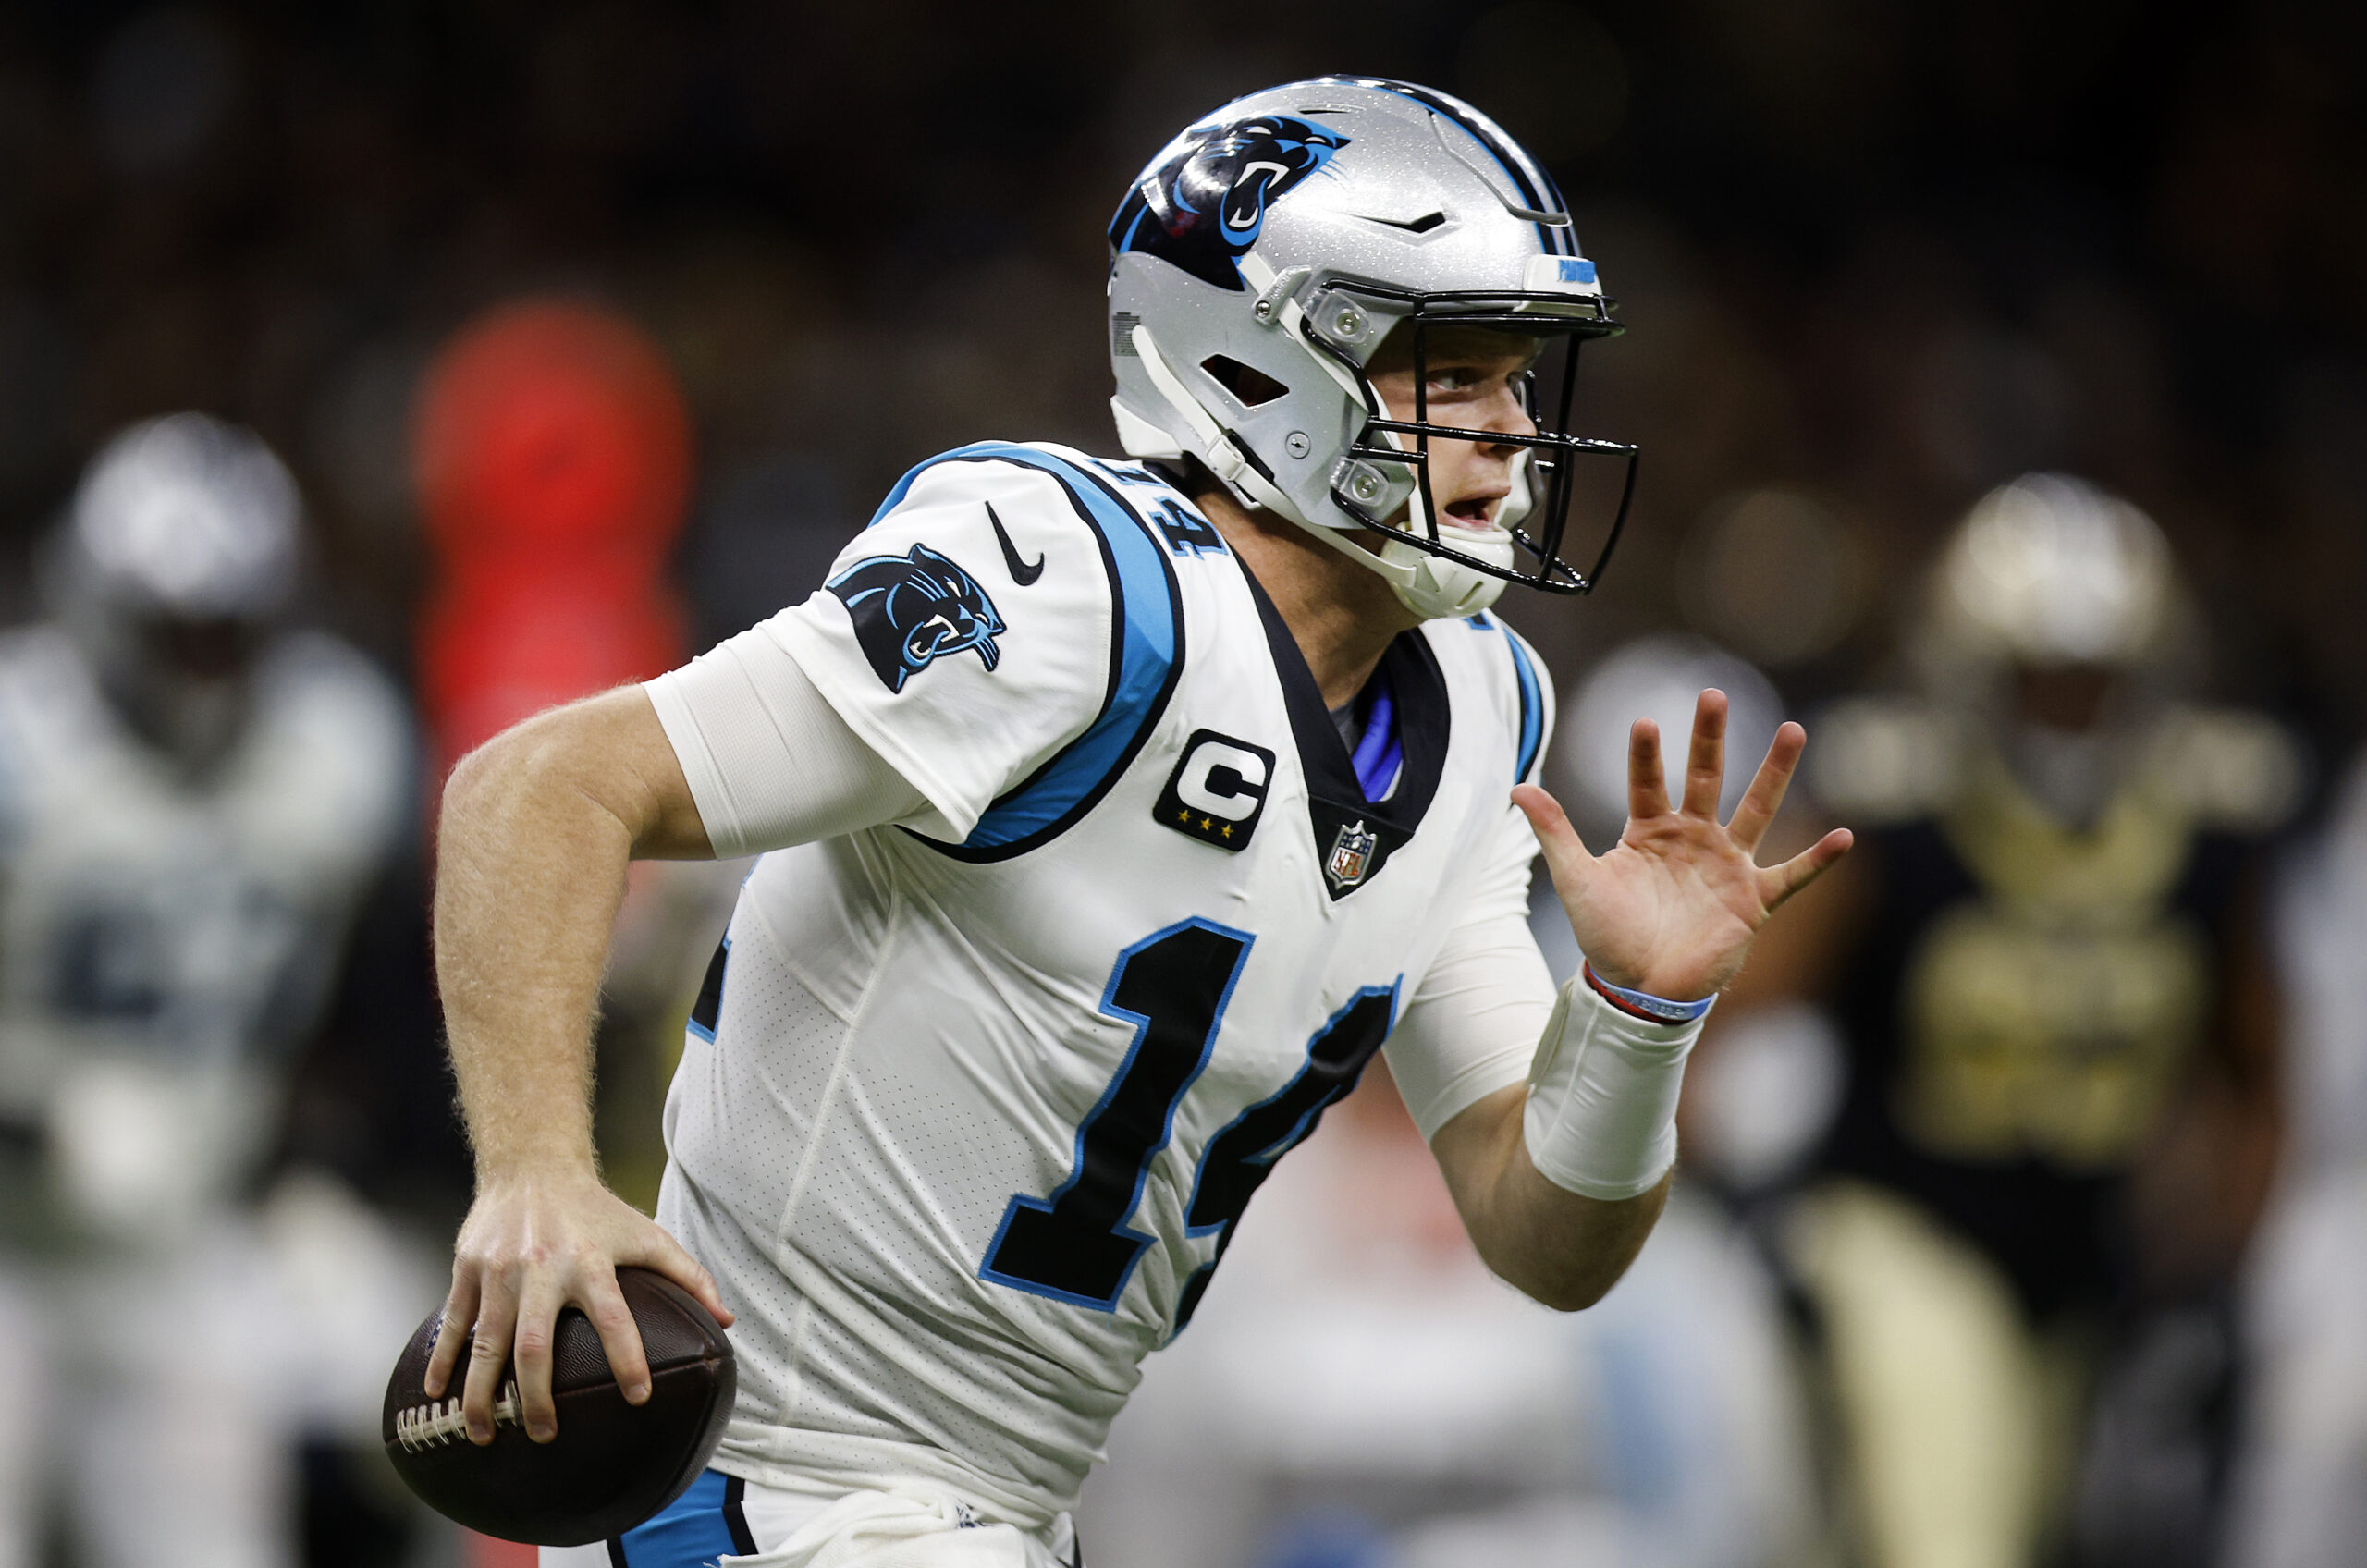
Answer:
(1074, 1245)
(1240, 1157)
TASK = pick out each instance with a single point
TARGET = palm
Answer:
(1672, 908)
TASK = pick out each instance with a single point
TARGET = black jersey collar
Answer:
(1355, 837)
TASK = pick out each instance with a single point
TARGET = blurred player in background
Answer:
(2062, 1096)
(193, 797)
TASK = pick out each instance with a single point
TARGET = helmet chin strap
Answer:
(1431, 586)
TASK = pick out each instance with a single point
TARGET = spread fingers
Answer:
(1646, 788)
(1705, 763)
(1777, 883)
(1767, 785)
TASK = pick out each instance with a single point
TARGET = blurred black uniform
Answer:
(2023, 1003)
(2060, 1052)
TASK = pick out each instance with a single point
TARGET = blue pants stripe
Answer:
(695, 1530)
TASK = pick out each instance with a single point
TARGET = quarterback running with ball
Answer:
(1113, 814)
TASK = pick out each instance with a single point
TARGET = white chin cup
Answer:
(1515, 508)
(1433, 587)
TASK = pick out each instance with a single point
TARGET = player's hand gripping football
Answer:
(529, 1247)
(1671, 910)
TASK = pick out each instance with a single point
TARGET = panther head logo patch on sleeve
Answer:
(913, 609)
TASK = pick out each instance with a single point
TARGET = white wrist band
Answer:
(1601, 1113)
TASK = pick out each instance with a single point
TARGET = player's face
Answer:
(205, 650)
(2073, 698)
(1474, 379)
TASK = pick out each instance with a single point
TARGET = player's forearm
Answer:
(1562, 1248)
(533, 845)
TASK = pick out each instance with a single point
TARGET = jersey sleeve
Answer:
(968, 636)
(1472, 1024)
(768, 760)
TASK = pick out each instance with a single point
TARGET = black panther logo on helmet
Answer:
(1202, 207)
(911, 610)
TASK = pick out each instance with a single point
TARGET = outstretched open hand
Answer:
(1672, 908)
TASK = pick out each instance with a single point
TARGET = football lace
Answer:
(439, 1421)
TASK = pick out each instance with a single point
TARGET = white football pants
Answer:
(863, 1530)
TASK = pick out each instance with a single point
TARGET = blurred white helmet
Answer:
(178, 554)
(2052, 570)
(187, 517)
(2058, 626)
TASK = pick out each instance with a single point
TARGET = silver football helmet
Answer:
(1290, 233)
(179, 553)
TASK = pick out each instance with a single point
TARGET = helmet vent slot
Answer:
(1249, 385)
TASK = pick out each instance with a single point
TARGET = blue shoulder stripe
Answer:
(1146, 659)
(1532, 705)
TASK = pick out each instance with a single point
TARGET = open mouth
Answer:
(1475, 512)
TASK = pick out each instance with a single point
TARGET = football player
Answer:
(2057, 1015)
(196, 800)
(1116, 813)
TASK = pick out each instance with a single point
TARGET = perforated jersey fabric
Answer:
(919, 1130)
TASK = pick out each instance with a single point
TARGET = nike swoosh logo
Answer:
(1021, 572)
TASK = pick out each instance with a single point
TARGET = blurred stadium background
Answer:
(1875, 258)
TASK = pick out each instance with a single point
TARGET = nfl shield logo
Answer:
(1351, 854)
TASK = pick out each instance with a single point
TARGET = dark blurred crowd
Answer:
(1875, 259)
(1879, 255)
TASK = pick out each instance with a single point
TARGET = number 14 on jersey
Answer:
(1074, 1244)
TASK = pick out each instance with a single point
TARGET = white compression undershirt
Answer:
(769, 761)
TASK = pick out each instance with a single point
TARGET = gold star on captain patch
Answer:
(1205, 824)
(1183, 816)
(1227, 829)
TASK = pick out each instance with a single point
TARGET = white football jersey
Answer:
(162, 942)
(970, 1103)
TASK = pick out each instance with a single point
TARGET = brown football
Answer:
(611, 1465)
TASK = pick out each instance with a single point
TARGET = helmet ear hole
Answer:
(1247, 385)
